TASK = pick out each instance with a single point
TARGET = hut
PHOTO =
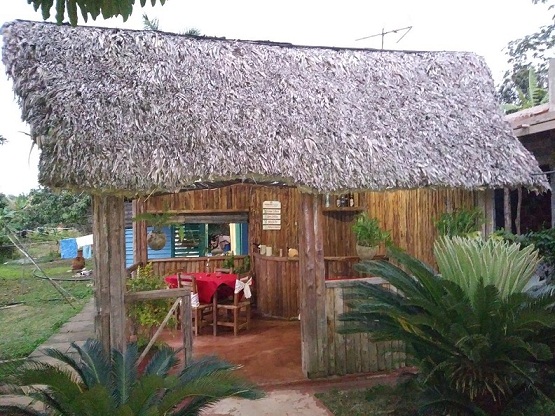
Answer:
(535, 128)
(205, 126)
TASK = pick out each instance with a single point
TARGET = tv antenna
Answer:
(383, 33)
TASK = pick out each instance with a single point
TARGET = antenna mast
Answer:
(383, 33)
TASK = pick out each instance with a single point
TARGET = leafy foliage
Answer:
(156, 220)
(525, 54)
(504, 265)
(368, 232)
(102, 384)
(532, 96)
(461, 222)
(44, 208)
(7, 249)
(92, 8)
(148, 315)
(475, 352)
(150, 24)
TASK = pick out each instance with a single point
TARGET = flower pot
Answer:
(366, 253)
(156, 240)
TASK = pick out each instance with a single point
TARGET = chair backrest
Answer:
(223, 270)
(184, 279)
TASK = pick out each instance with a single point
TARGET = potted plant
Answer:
(156, 238)
(369, 235)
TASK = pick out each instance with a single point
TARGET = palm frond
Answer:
(20, 410)
(95, 363)
(124, 373)
(163, 360)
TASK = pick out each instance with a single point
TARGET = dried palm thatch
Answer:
(125, 111)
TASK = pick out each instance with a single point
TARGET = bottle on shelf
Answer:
(338, 201)
(351, 199)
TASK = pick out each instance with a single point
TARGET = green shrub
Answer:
(499, 263)
(148, 315)
(476, 351)
(368, 232)
(461, 222)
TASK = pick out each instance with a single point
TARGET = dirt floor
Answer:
(269, 352)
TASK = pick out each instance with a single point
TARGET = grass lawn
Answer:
(375, 401)
(42, 310)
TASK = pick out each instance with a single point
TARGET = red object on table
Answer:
(208, 284)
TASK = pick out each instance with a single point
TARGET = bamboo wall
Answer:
(408, 215)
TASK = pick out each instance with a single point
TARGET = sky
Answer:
(481, 26)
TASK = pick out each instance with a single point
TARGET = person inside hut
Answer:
(78, 262)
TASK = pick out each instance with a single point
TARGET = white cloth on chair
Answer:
(244, 286)
(195, 303)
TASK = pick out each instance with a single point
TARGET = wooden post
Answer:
(109, 270)
(507, 209)
(518, 209)
(485, 201)
(312, 287)
(139, 233)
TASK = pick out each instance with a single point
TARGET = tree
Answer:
(46, 208)
(92, 8)
(2, 139)
(154, 24)
(150, 24)
(532, 96)
(525, 54)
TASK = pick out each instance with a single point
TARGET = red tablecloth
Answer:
(208, 284)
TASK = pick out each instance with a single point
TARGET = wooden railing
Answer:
(183, 296)
(165, 267)
(343, 267)
(358, 352)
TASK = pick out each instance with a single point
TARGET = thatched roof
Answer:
(138, 111)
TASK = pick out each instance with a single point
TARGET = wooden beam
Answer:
(157, 294)
(535, 128)
(110, 273)
(312, 287)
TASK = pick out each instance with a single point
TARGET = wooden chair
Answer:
(229, 312)
(221, 270)
(200, 311)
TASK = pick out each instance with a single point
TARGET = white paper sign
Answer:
(271, 204)
(271, 215)
(271, 227)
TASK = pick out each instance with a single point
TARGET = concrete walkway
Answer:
(78, 329)
(286, 402)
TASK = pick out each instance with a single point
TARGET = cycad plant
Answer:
(98, 384)
(475, 350)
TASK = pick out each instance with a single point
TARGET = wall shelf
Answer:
(343, 209)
